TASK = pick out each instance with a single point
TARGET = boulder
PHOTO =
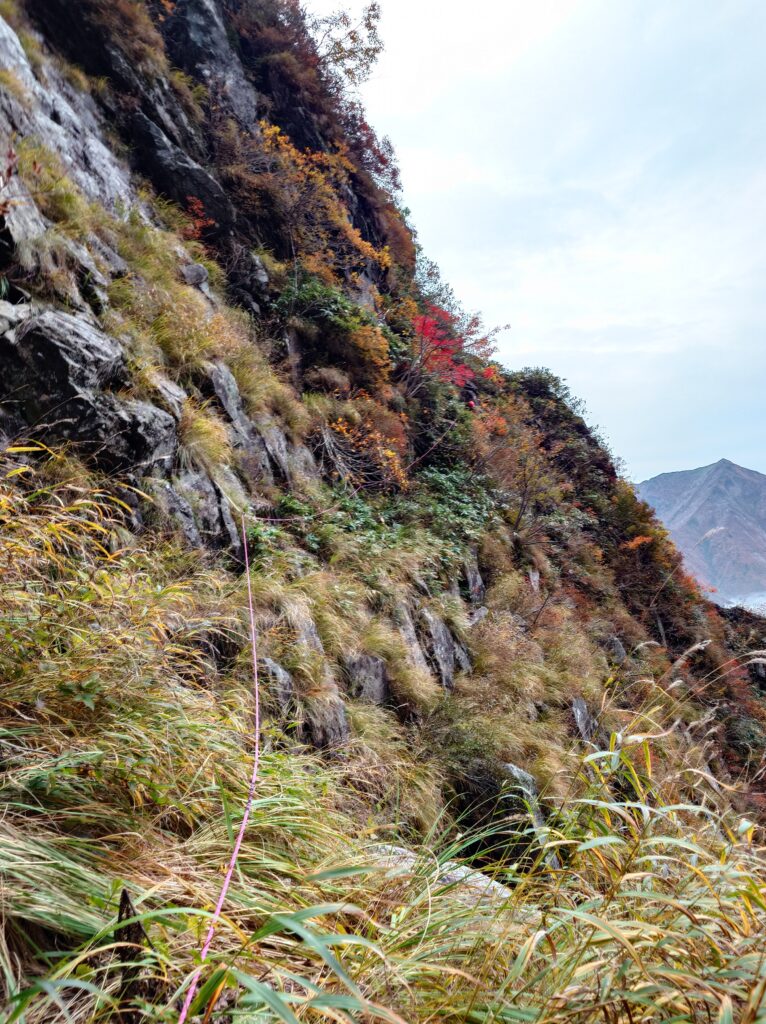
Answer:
(196, 275)
(400, 860)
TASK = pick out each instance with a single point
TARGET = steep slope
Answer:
(504, 739)
(717, 517)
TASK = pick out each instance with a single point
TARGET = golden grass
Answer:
(203, 439)
(125, 765)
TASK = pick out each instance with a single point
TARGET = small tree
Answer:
(513, 454)
(346, 48)
(441, 344)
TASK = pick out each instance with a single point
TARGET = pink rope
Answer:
(250, 797)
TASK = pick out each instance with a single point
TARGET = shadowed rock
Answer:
(473, 581)
(325, 725)
(177, 176)
(406, 624)
(198, 44)
(55, 370)
(368, 678)
(439, 646)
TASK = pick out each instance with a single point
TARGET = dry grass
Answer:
(11, 83)
(203, 439)
(125, 764)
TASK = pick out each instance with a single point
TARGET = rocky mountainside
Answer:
(717, 517)
(508, 751)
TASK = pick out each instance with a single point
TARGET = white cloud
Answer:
(593, 171)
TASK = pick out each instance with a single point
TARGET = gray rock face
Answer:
(62, 352)
(198, 44)
(210, 508)
(177, 176)
(100, 54)
(280, 683)
(91, 283)
(248, 279)
(172, 395)
(269, 455)
(406, 624)
(11, 316)
(302, 464)
(198, 489)
(584, 720)
(275, 442)
(474, 583)
(325, 725)
(137, 436)
(462, 660)
(63, 120)
(175, 507)
(617, 651)
(478, 616)
(114, 263)
(368, 678)
(227, 393)
(308, 634)
(22, 225)
(55, 369)
(439, 646)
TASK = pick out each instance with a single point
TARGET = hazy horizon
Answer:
(592, 172)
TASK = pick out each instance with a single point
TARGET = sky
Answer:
(593, 172)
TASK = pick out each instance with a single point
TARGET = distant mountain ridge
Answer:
(717, 517)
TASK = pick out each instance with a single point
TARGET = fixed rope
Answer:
(192, 991)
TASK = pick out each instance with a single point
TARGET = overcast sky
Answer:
(593, 172)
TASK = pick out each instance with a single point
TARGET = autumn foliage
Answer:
(442, 347)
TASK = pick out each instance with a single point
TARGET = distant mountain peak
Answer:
(716, 515)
